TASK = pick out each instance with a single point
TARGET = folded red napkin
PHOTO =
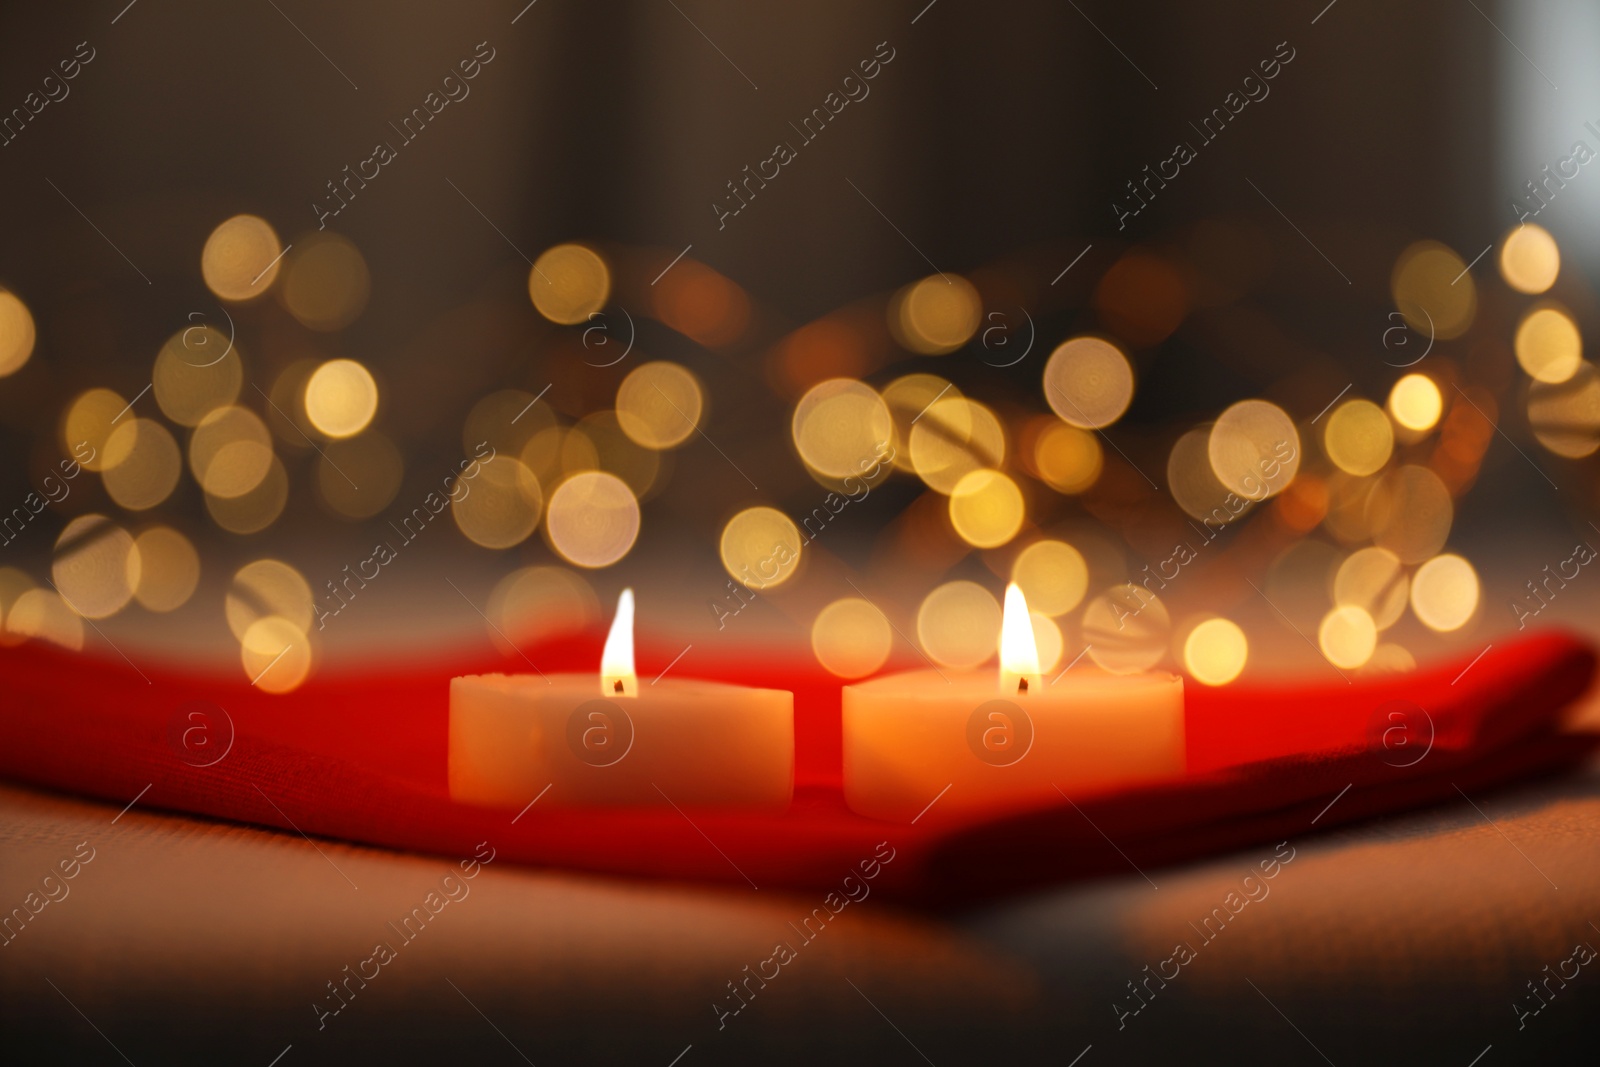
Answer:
(360, 755)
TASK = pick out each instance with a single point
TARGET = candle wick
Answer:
(1022, 685)
(616, 686)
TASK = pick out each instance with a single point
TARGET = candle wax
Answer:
(909, 736)
(682, 742)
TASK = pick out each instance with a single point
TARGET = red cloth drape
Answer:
(359, 755)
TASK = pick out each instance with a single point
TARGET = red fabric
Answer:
(360, 755)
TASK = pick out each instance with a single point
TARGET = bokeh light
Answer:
(16, 333)
(593, 519)
(1548, 344)
(986, 508)
(1068, 460)
(267, 588)
(760, 547)
(87, 427)
(275, 654)
(327, 283)
(169, 569)
(96, 566)
(1411, 513)
(1566, 417)
(149, 467)
(255, 510)
(1088, 382)
(499, 507)
(1444, 593)
(1052, 575)
(1194, 484)
(532, 604)
(341, 398)
(659, 404)
(1254, 449)
(1347, 637)
(1048, 641)
(851, 638)
(1433, 290)
(196, 371)
(1127, 629)
(840, 427)
(958, 625)
(230, 452)
(568, 283)
(39, 614)
(953, 438)
(701, 304)
(936, 315)
(1358, 437)
(240, 259)
(1529, 259)
(1374, 580)
(1215, 652)
(13, 584)
(1415, 403)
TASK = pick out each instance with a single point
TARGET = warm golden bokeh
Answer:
(341, 398)
(1434, 291)
(275, 654)
(532, 604)
(1194, 484)
(1088, 382)
(1048, 641)
(958, 625)
(936, 315)
(1548, 345)
(169, 569)
(1529, 259)
(87, 426)
(1069, 460)
(1143, 297)
(149, 467)
(1215, 652)
(1254, 449)
(1415, 403)
(851, 638)
(659, 405)
(501, 506)
(701, 304)
(953, 438)
(255, 510)
(1566, 417)
(760, 547)
(1411, 513)
(1358, 437)
(1347, 637)
(1052, 575)
(1127, 629)
(986, 508)
(1444, 593)
(263, 589)
(568, 283)
(1374, 580)
(240, 259)
(840, 427)
(592, 519)
(96, 566)
(196, 371)
(39, 614)
(16, 333)
(327, 284)
(230, 452)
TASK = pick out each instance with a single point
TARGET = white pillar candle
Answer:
(587, 740)
(981, 745)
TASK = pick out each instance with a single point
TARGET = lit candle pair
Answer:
(974, 744)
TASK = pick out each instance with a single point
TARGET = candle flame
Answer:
(1019, 655)
(616, 661)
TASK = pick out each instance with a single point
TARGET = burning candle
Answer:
(605, 741)
(978, 744)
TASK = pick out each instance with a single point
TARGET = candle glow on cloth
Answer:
(978, 745)
(603, 741)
